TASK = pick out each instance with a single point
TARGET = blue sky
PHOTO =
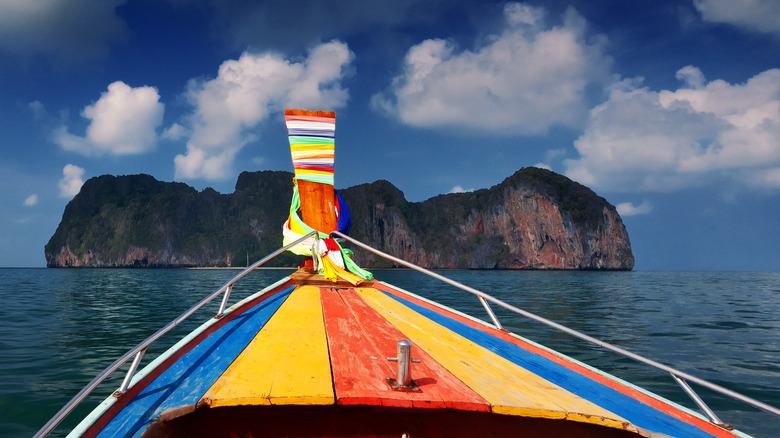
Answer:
(668, 109)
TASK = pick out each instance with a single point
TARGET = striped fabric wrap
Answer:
(333, 262)
(312, 144)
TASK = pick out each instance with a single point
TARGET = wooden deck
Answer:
(308, 357)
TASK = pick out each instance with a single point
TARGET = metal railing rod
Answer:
(58, 417)
(489, 311)
(699, 402)
(129, 376)
(225, 299)
(717, 388)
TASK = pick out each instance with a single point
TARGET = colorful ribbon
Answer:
(333, 261)
(312, 145)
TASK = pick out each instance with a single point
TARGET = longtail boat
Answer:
(329, 351)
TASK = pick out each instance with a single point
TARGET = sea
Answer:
(61, 327)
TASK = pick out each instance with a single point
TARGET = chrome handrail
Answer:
(675, 373)
(62, 413)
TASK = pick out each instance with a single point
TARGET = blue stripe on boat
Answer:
(186, 380)
(638, 413)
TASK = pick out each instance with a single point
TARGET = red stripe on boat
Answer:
(360, 341)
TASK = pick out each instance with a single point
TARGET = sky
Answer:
(670, 110)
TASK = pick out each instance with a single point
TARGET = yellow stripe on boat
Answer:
(287, 362)
(487, 373)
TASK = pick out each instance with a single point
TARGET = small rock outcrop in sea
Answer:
(535, 219)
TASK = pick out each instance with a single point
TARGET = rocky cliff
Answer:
(137, 221)
(535, 219)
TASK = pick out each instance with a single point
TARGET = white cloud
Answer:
(460, 189)
(542, 166)
(642, 140)
(38, 110)
(691, 76)
(626, 209)
(554, 154)
(175, 132)
(244, 93)
(754, 15)
(523, 14)
(31, 200)
(123, 122)
(522, 80)
(763, 178)
(71, 142)
(71, 181)
(65, 30)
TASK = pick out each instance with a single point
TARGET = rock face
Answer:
(535, 219)
(137, 221)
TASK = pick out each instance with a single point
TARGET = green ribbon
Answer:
(346, 254)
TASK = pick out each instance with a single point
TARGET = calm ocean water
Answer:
(61, 327)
